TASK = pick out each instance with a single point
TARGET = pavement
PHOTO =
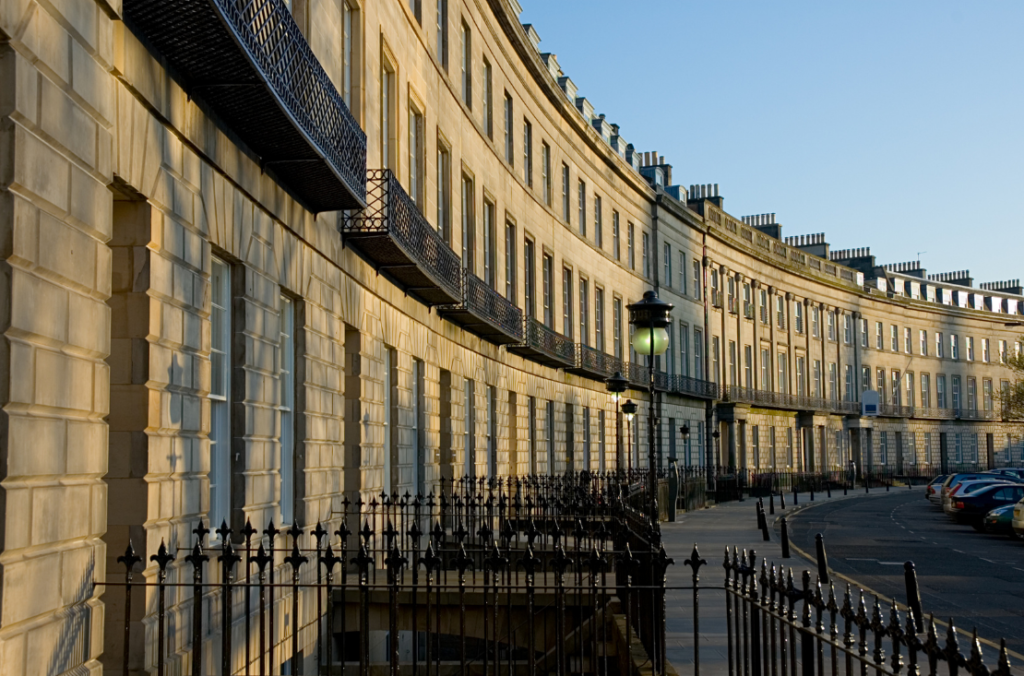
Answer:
(734, 524)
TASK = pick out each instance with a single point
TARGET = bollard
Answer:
(812, 492)
(796, 496)
(828, 490)
(757, 511)
(782, 500)
(888, 485)
(819, 545)
(913, 594)
(844, 488)
(764, 528)
(771, 503)
(867, 481)
(785, 538)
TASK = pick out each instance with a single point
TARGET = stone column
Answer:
(732, 442)
(808, 459)
(743, 460)
(823, 464)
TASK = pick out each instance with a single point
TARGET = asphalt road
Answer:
(976, 579)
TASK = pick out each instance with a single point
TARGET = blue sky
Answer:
(894, 125)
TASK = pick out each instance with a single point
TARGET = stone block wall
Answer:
(56, 120)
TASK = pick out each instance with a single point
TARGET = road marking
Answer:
(987, 560)
(1020, 569)
(958, 551)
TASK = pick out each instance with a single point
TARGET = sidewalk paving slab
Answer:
(732, 524)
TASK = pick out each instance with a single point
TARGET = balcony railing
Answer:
(248, 60)
(394, 237)
(794, 402)
(640, 377)
(485, 312)
(895, 411)
(595, 364)
(976, 414)
(935, 413)
(636, 374)
(693, 387)
(545, 346)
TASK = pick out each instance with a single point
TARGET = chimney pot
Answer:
(716, 190)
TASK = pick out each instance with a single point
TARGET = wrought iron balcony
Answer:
(485, 312)
(545, 346)
(935, 413)
(693, 387)
(895, 411)
(976, 414)
(792, 402)
(638, 375)
(248, 61)
(393, 236)
(594, 364)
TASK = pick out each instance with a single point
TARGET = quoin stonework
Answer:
(261, 257)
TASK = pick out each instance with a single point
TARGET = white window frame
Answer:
(220, 398)
(286, 409)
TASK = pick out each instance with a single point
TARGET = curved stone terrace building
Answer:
(263, 255)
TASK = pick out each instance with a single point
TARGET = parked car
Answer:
(1000, 520)
(1016, 472)
(931, 491)
(967, 486)
(972, 507)
(953, 479)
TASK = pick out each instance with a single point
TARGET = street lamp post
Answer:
(650, 317)
(617, 385)
(684, 432)
(629, 410)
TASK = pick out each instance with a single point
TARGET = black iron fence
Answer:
(522, 575)
(779, 626)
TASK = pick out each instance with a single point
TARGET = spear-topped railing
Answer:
(519, 574)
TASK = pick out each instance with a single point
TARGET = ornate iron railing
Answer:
(545, 345)
(595, 363)
(935, 413)
(486, 312)
(780, 623)
(636, 374)
(789, 401)
(976, 414)
(397, 240)
(895, 411)
(479, 567)
(249, 60)
(693, 387)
